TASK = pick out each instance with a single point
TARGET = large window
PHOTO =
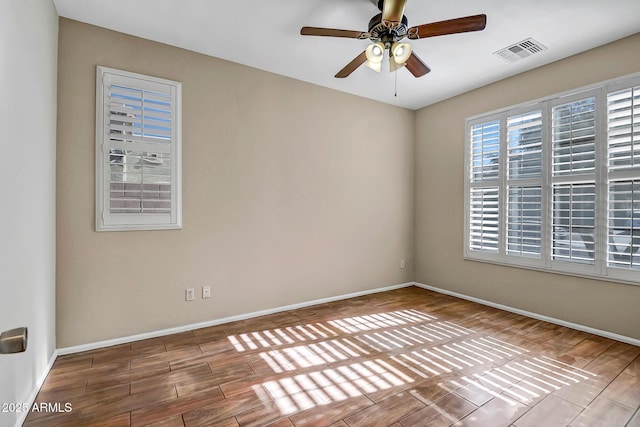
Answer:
(137, 152)
(555, 185)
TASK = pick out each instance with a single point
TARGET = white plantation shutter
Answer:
(138, 152)
(485, 149)
(484, 225)
(524, 183)
(554, 184)
(623, 250)
(484, 198)
(574, 207)
(623, 154)
(623, 128)
(524, 225)
(574, 137)
(524, 145)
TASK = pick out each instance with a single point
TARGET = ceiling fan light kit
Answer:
(375, 55)
(387, 29)
(399, 53)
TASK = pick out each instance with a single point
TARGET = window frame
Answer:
(105, 220)
(600, 268)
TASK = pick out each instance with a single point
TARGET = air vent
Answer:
(520, 50)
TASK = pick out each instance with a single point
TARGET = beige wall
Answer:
(290, 194)
(440, 201)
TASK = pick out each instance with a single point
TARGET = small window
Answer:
(138, 148)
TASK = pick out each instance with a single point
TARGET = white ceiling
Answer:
(266, 35)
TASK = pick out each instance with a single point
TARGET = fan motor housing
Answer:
(385, 32)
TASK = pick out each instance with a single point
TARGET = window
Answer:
(555, 184)
(623, 160)
(573, 145)
(484, 198)
(524, 183)
(138, 152)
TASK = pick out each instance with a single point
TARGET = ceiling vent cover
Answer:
(520, 50)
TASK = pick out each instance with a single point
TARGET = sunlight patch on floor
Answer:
(324, 368)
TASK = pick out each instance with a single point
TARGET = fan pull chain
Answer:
(395, 76)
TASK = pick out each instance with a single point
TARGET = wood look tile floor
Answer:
(403, 358)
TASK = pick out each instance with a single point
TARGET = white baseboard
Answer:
(36, 389)
(542, 317)
(220, 321)
(163, 332)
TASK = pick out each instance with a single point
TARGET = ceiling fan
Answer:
(387, 29)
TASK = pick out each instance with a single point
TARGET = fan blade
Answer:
(416, 66)
(451, 26)
(393, 10)
(351, 66)
(331, 32)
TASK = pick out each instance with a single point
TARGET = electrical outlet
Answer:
(190, 294)
(401, 263)
(206, 292)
